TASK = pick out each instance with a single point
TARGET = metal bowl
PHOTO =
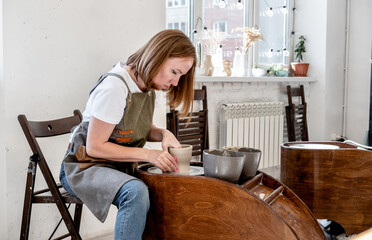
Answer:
(223, 164)
(251, 162)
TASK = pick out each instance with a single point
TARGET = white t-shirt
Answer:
(108, 101)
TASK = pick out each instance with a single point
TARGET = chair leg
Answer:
(77, 215)
(71, 227)
(27, 205)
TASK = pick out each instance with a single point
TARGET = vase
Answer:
(208, 67)
(249, 62)
(238, 64)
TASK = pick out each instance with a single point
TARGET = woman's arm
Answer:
(98, 146)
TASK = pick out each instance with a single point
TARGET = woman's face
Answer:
(171, 71)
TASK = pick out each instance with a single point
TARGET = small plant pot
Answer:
(300, 69)
(258, 72)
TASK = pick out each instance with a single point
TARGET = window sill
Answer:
(207, 79)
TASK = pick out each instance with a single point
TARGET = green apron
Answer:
(98, 184)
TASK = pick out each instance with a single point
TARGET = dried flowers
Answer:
(250, 35)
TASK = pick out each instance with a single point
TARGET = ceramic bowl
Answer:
(251, 161)
(223, 164)
(281, 73)
(258, 72)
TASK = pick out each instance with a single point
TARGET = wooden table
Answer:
(335, 184)
(199, 207)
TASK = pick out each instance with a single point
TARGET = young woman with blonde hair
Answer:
(116, 124)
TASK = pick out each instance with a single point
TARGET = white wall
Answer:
(3, 177)
(310, 21)
(323, 23)
(359, 70)
(54, 52)
(334, 67)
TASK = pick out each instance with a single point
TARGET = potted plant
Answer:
(278, 70)
(300, 68)
(258, 71)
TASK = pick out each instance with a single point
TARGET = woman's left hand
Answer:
(169, 140)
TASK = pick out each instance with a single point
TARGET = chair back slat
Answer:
(54, 127)
(296, 115)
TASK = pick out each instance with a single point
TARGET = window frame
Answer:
(252, 7)
(179, 2)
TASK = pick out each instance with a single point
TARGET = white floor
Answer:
(107, 236)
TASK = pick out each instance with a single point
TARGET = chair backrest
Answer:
(43, 129)
(40, 129)
(296, 115)
(194, 132)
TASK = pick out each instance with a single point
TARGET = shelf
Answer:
(207, 79)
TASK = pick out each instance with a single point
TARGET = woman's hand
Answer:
(166, 137)
(169, 140)
(163, 160)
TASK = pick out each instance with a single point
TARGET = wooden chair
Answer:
(296, 115)
(52, 194)
(194, 132)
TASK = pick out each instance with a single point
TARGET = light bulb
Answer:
(222, 4)
(239, 5)
(269, 54)
(270, 12)
(284, 10)
(285, 52)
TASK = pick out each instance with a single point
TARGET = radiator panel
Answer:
(256, 125)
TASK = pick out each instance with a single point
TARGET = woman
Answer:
(116, 124)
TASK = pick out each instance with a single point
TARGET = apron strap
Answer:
(114, 75)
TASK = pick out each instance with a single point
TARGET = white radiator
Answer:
(256, 125)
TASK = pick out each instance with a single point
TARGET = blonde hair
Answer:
(148, 60)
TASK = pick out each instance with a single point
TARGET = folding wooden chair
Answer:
(296, 115)
(52, 194)
(194, 132)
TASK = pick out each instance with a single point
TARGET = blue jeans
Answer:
(132, 201)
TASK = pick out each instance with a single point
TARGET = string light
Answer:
(222, 4)
(270, 12)
(284, 10)
(285, 52)
(269, 54)
(239, 5)
(202, 25)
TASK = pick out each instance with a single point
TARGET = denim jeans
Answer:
(63, 180)
(132, 201)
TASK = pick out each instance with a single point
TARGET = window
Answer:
(220, 26)
(169, 3)
(214, 21)
(177, 3)
(178, 15)
(273, 24)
